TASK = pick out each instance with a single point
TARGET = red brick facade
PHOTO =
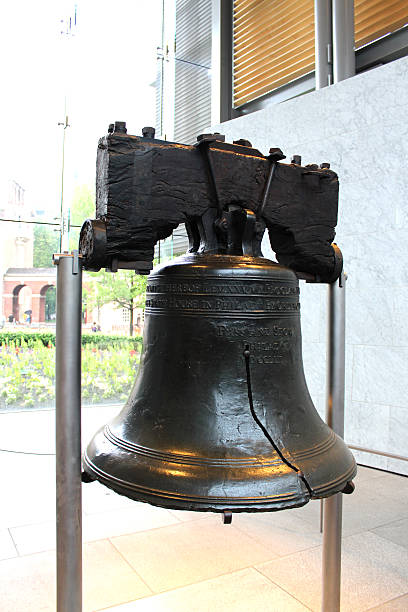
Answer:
(12, 285)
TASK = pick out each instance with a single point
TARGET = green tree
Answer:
(46, 242)
(82, 207)
(124, 289)
(46, 239)
(50, 303)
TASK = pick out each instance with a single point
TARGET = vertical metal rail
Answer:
(68, 433)
(344, 57)
(335, 61)
(332, 516)
(323, 43)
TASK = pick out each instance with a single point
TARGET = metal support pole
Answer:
(221, 61)
(68, 433)
(323, 43)
(332, 516)
(344, 57)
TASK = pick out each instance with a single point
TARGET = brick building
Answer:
(25, 289)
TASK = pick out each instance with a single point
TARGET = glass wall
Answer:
(73, 68)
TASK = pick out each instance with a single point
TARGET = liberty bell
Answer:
(220, 418)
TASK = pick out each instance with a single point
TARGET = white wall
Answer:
(361, 127)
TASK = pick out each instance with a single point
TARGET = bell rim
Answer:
(209, 503)
(170, 499)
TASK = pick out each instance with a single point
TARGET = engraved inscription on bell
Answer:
(226, 296)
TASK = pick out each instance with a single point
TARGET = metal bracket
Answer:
(342, 279)
(75, 261)
(76, 257)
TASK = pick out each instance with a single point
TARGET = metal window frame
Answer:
(386, 49)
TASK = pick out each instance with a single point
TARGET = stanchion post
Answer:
(332, 516)
(68, 432)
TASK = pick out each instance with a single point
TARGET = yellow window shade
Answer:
(274, 39)
(375, 18)
(273, 45)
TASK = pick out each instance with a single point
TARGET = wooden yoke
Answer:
(146, 187)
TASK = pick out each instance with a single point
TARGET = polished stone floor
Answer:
(144, 559)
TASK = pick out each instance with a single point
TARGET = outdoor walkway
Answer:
(144, 559)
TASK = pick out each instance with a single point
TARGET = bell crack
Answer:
(267, 435)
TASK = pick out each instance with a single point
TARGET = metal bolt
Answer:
(349, 488)
(296, 159)
(221, 224)
(242, 142)
(211, 137)
(120, 127)
(201, 137)
(276, 154)
(325, 165)
(148, 132)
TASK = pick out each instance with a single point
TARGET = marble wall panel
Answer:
(319, 402)
(376, 260)
(313, 320)
(398, 439)
(360, 214)
(380, 375)
(400, 316)
(314, 364)
(361, 127)
(376, 461)
(369, 315)
(364, 425)
(349, 368)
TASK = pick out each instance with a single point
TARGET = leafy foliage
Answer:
(100, 341)
(82, 207)
(46, 242)
(27, 373)
(124, 289)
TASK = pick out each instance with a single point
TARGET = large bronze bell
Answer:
(220, 417)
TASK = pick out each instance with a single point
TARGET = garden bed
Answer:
(27, 373)
(102, 341)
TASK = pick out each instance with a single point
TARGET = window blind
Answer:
(273, 45)
(274, 40)
(375, 18)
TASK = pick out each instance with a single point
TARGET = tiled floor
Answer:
(144, 559)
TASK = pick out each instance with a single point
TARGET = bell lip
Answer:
(171, 500)
(175, 501)
(335, 486)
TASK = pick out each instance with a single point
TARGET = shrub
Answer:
(27, 372)
(31, 338)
